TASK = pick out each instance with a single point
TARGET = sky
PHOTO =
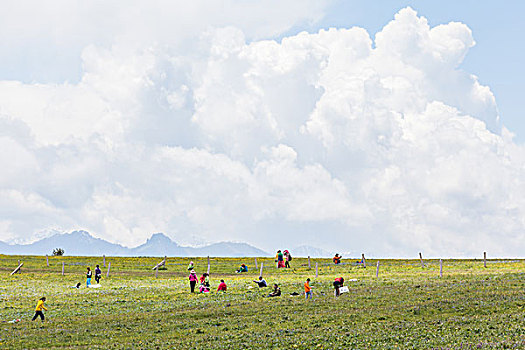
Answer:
(387, 128)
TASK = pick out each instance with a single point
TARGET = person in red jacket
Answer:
(338, 283)
(222, 286)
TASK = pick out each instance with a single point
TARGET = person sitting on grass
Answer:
(261, 282)
(242, 268)
(76, 286)
(204, 289)
(276, 291)
(307, 289)
(38, 310)
(222, 286)
(337, 259)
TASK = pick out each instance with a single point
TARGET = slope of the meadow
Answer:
(406, 307)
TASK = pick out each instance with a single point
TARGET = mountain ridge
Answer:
(82, 243)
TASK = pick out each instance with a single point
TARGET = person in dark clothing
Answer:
(98, 274)
(276, 291)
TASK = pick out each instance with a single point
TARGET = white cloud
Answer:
(323, 138)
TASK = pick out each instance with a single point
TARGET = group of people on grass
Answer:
(89, 274)
(283, 259)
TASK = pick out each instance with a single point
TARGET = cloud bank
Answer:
(332, 139)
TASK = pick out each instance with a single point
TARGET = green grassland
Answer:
(406, 307)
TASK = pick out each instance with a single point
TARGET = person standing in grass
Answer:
(193, 280)
(222, 286)
(279, 259)
(38, 310)
(307, 289)
(89, 273)
(288, 258)
(190, 266)
(98, 274)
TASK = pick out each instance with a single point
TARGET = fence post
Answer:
(104, 260)
(17, 269)
(309, 264)
(47, 260)
(363, 260)
(316, 269)
(377, 269)
(440, 267)
(62, 268)
(484, 259)
(262, 266)
(421, 259)
(256, 267)
(208, 265)
(109, 267)
(156, 272)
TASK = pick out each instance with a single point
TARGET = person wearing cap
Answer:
(193, 280)
(190, 266)
(307, 289)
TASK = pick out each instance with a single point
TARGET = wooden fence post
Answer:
(47, 260)
(104, 260)
(316, 269)
(440, 267)
(208, 265)
(309, 264)
(62, 268)
(262, 266)
(421, 259)
(109, 267)
(377, 269)
(17, 269)
(363, 260)
(256, 267)
(156, 272)
(485, 259)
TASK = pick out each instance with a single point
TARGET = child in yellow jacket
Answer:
(38, 310)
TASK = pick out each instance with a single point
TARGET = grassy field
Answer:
(406, 307)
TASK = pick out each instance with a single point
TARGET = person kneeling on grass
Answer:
(261, 282)
(222, 286)
(204, 289)
(276, 291)
(307, 289)
(338, 283)
(38, 310)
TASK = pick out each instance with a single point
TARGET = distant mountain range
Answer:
(83, 244)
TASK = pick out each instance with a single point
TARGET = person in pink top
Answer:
(222, 286)
(193, 280)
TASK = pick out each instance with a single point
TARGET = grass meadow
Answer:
(405, 307)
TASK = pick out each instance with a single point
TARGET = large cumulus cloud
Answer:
(333, 139)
